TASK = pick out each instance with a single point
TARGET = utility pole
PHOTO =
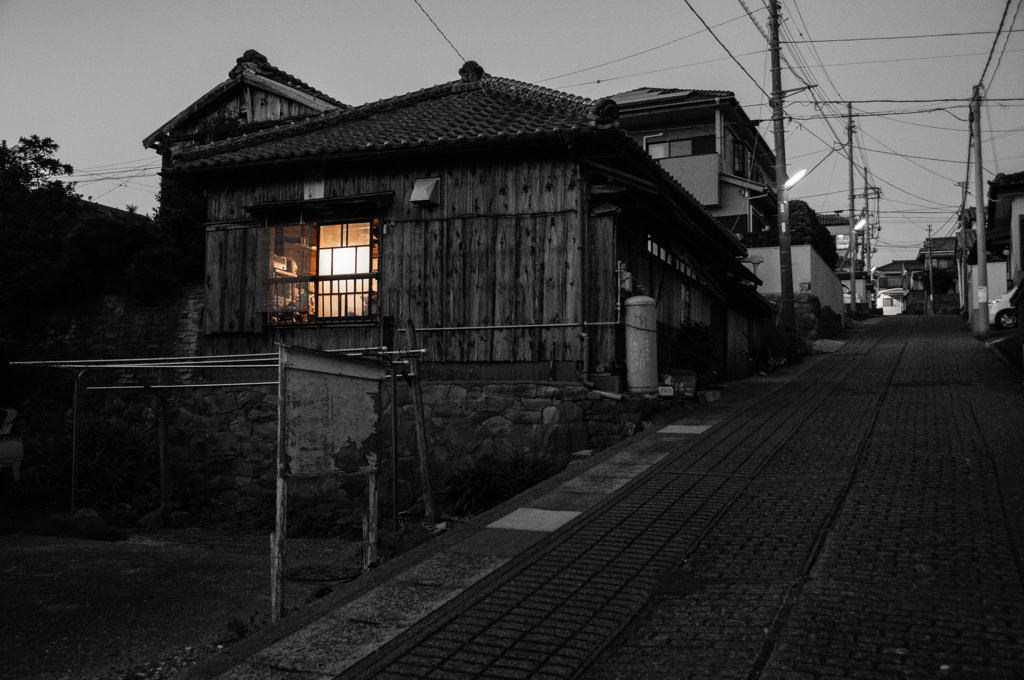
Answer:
(786, 308)
(981, 319)
(931, 277)
(853, 217)
(867, 239)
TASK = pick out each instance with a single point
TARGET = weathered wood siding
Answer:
(602, 290)
(738, 346)
(232, 302)
(488, 271)
(504, 247)
(243, 105)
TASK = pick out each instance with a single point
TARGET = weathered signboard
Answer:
(330, 409)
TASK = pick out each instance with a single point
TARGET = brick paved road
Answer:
(856, 522)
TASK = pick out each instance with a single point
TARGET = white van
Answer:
(1000, 313)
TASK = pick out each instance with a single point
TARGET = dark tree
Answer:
(36, 206)
(805, 229)
(808, 230)
(180, 216)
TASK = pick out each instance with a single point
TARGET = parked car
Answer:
(1000, 312)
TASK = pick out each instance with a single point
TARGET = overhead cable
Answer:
(900, 37)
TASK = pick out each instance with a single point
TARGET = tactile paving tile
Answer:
(534, 519)
(684, 429)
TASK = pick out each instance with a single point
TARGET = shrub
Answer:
(494, 479)
(779, 348)
(693, 347)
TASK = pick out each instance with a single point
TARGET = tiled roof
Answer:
(899, 266)
(257, 63)
(940, 243)
(827, 220)
(1004, 179)
(477, 108)
(649, 95)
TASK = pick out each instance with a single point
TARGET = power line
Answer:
(899, 37)
(439, 30)
(981, 81)
(630, 56)
(909, 101)
(1005, 43)
(726, 49)
(657, 70)
(891, 61)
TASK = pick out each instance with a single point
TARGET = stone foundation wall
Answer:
(222, 441)
(222, 444)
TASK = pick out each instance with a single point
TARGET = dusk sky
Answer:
(100, 75)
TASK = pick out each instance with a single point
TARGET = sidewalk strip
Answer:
(684, 429)
(534, 519)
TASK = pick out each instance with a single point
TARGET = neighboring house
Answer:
(891, 301)
(898, 274)
(1005, 222)
(810, 274)
(942, 250)
(706, 141)
(839, 226)
(507, 221)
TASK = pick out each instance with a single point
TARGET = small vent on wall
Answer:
(426, 192)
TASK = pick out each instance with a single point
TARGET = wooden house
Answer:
(507, 221)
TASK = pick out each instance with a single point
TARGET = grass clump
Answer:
(495, 478)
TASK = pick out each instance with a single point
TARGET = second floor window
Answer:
(739, 159)
(694, 146)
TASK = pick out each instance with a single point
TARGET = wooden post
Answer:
(277, 539)
(165, 475)
(76, 436)
(394, 448)
(370, 518)
(421, 425)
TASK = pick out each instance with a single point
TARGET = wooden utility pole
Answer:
(853, 217)
(867, 238)
(931, 278)
(787, 314)
(981, 318)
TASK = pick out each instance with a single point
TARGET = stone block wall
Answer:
(222, 443)
(470, 419)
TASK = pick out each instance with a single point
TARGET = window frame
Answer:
(312, 297)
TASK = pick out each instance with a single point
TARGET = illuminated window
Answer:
(323, 272)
